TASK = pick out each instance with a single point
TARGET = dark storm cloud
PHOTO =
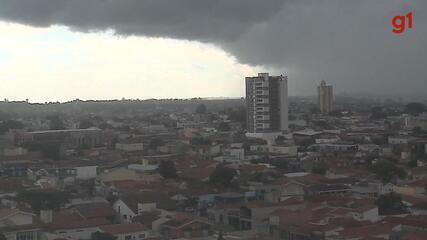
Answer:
(348, 43)
(190, 19)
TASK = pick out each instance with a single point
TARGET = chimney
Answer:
(46, 216)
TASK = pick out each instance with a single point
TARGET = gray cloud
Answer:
(348, 43)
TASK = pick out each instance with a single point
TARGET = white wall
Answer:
(290, 150)
(18, 219)
(129, 147)
(134, 236)
(78, 233)
(292, 189)
(122, 209)
(283, 85)
(87, 172)
(14, 151)
(371, 215)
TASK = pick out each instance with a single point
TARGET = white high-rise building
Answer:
(267, 103)
(325, 97)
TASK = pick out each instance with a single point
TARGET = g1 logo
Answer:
(399, 23)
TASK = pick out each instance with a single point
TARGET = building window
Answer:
(26, 236)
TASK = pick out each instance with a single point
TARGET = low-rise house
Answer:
(153, 219)
(413, 188)
(198, 170)
(130, 146)
(246, 216)
(401, 139)
(19, 224)
(320, 189)
(131, 205)
(300, 224)
(373, 231)
(418, 173)
(123, 174)
(416, 205)
(233, 154)
(365, 190)
(79, 229)
(95, 210)
(126, 231)
(186, 227)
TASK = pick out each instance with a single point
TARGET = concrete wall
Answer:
(130, 147)
(18, 219)
(371, 215)
(87, 172)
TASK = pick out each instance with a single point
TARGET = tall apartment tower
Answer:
(267, 103)
(325, 97)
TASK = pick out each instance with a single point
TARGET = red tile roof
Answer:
(369, 230)
(123, 228)
(414, 221)
(95, 210)
(416, 236)
(95, 222)
(419, 183)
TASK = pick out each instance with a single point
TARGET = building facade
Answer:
(325, 97)
(267, 103)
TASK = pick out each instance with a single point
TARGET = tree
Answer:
(336, 113)
(418, 130)
(390, 204)
(198, 140)
(224, 127)
(201, 109)
(102, 236)
(377, 113)
(167, 169)
(222, 176)
(105, 125)
(10, 124)
(84, 124)
(155, 143)
(415, 108)
(48, 150)
(39, 200)
(238, 115)
(55, 123)
(319, 168)
(387, 171)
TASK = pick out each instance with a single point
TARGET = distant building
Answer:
(70, 138)
(325, 95)
(267, 103)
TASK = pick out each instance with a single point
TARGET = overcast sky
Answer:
(102, 49)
